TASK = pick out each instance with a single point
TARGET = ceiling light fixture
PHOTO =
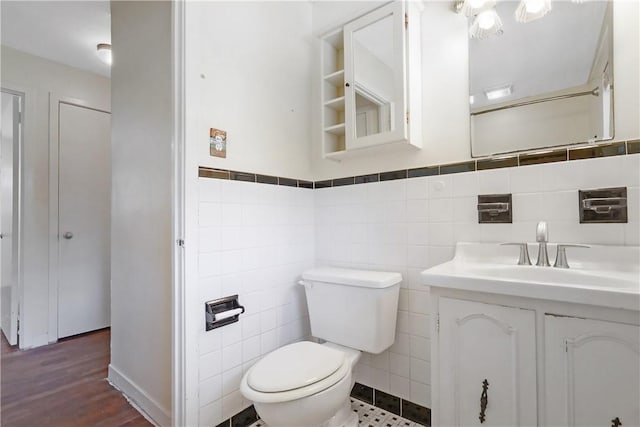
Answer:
(104, 53)
(530, 10)
(474, 7)
(500, 92)
(485, 24)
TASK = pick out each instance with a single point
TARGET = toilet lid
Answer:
(294, 366)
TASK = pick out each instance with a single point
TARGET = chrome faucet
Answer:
(542, 237)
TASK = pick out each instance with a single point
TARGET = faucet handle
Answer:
(561, 256)
(524, 252)
(542, 232)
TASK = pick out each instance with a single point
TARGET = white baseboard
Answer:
(32, 342)
(140, 400)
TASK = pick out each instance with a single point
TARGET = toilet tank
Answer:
(353, 308)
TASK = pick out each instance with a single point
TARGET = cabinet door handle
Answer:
(484, 399)
(616, 422)
(347, 84)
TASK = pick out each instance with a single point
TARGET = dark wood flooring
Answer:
(62, 385)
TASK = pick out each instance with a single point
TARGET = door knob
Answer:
(68, 235)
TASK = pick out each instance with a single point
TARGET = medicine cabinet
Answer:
(371, 87)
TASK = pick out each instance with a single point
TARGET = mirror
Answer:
(373, 60)
(555, 74)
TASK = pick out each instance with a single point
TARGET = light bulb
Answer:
(104, 53)
(486, 19)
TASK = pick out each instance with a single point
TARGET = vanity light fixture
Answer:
(474, 7)
(485, 24)
(104, 53)
(499, 92)
(530, 10)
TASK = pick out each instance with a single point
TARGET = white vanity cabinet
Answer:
(371, 82)
(592, 371)
(547, 363)
(487, 371)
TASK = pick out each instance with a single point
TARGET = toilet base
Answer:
(345, 417)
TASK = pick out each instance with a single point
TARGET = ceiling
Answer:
(61, 31)
(552, 53)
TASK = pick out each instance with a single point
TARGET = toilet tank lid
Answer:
(351, 277)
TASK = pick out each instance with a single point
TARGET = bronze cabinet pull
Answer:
(484, 399)
(616, 422)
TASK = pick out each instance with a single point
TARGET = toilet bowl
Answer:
(303, 384)
(306, 384)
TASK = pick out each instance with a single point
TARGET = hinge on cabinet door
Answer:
(566, 347)
(406, 21)
(407, 117)
(438, 322)
(180, 242)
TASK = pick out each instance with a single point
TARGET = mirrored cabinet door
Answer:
(366, 75)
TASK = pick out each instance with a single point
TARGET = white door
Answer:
(84, 219)
(9, 178)
(592, 373)
(487, 357)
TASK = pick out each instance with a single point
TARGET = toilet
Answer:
(308, 384)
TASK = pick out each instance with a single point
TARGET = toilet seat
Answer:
(295, 371)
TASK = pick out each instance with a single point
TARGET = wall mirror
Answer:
(541, 83)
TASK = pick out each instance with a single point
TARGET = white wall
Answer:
(37, 77)
(248, 68)
(445, 100)
(412, 224)
(254, 240)
(142, 205)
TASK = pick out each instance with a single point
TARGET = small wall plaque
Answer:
(217, 143)
(603, 205)
(494, 209)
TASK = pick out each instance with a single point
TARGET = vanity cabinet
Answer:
(546, 363)
(371, 82)
(592, 370)
(487, 369)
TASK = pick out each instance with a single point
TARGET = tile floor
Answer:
(369, 416)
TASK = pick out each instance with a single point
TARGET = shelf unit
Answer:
(333, 100)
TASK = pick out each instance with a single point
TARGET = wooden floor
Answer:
(62, 384)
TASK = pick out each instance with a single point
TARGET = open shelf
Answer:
(336, 104)
(338, 129)
(336, 78)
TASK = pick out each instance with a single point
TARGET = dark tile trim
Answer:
(322, 184)
(242, 176)
(205, 172)
(615, 149)
(213, 173)
(633, 147)
(343, 181)
(500, 162)
(363, 179)
(391, 403)
(458, 167)
(288, 182)
(245, 418)
(531, 158)
(548, 156)
(426, 171)
(389, 176)
(225, 423)
(267, 179)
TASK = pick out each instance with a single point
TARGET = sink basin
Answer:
(600, 275)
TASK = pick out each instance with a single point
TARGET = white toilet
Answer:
(308, 384)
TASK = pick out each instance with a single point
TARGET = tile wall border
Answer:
(568, 154)
(370, 395)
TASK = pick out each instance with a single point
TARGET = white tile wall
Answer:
(409, 225)
(255, 240)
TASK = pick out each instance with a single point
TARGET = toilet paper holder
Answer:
(222, 311)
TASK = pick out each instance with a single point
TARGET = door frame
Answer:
(18, 202)
(54, 233)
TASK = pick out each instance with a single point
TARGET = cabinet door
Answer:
(479, 342)
(375, 77)
(592, 373)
